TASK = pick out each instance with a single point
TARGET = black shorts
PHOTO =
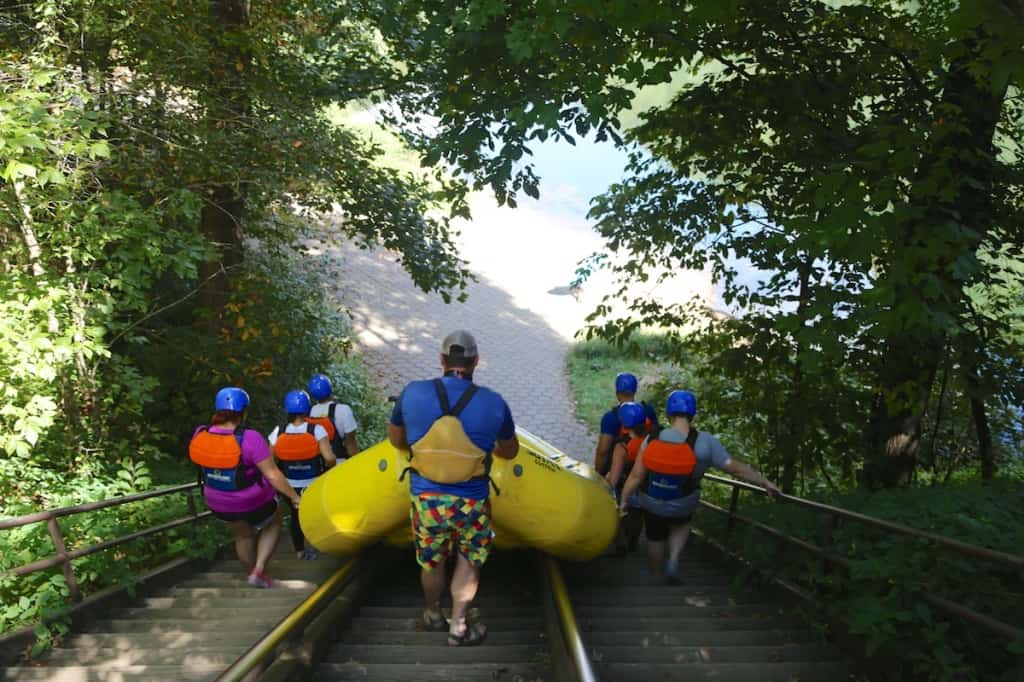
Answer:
(257, 518)
(657, 528)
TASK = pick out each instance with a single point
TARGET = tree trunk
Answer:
(981, 428)
(939, 409)
(961, 153)
(792, 445)
(979, 413)
(221, 220)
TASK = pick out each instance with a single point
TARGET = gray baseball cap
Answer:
(461, 338)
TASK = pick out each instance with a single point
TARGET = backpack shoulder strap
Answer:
(464, 399)
(442, 397)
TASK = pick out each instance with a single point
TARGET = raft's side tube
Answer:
(548, 501)
(552, 502)
(357, 502)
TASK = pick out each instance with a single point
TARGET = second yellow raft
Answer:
(548, 501)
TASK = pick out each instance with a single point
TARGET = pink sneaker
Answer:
(257, 579)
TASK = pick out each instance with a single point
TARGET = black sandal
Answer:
(474, 635)
(432, 623)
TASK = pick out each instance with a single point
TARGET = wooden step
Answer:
(725, 672)
(716, 654)
(486, 653)
(412, 672)
(413, 624)
(646, 639)
(613, 623)
(410, 638)
(135, 673)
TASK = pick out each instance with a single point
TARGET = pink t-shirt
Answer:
(254, 450)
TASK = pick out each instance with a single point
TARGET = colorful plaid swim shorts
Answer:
(441, 522)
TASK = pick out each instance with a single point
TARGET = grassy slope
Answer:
(592, 366)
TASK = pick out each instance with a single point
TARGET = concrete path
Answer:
(520, 310)
(522, 356)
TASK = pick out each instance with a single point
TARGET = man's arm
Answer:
(749, 474)
(618, 464)
(636, 477)
(506, 445)
(396, 426)
(506, 449)
(396, 434)
(604, 446)
(351, 447)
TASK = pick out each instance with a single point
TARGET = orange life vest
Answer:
(633, 447)
(298, 454)
(219, 459)
(670, 468)
(337, 442)
(297, 447)
(651, 426)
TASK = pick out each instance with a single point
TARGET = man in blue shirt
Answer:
(611, 426)
(452, 427)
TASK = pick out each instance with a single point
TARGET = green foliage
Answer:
(275, 331)
(128, 133)
(848, 150)
(43, 597)
(879, 599)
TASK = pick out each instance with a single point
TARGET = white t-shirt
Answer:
(344, 420)
(319, 433)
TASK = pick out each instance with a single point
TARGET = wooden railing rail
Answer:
(1010, 562)
(63, 557)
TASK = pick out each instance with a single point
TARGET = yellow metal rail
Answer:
(567, 619)
(290, 624)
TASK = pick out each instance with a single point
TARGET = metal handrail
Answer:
(950, 607)
(289, 625)
(1013, 561)
(47, 514)
(567, 619)
(64, 557)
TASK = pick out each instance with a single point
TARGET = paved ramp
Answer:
(522, 350)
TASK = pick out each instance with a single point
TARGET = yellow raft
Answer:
(548, 501)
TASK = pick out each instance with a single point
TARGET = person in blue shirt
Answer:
(612, 430)
(452, 427)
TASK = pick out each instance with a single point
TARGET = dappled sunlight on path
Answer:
(399, 329)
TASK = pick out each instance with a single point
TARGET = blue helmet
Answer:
(296, 402)
(625, 383)
(231, 398)
(681, 402)
(319, 386)
(632, 414)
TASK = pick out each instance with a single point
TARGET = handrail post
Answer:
(193, 511)
(829, 541)
(62, 552)
(734, 504)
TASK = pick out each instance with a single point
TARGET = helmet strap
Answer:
(460, 373)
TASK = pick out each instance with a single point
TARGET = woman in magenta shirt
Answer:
(240, 480)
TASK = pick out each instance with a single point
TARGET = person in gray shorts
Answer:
(667, 474)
